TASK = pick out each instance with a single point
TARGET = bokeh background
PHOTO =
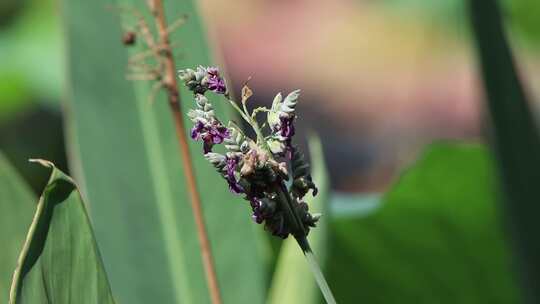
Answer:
(380, 80)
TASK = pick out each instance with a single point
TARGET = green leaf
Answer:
(17, 204)
(32, 40)
(60, 261)
(293, 281)
(515, 138)
(524, 18)
(436, 238)
(125, 153)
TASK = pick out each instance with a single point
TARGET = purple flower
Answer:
(286, 126)
(212, 71)
(286, 131)
(214, 81)
(197, 130)
(234, 186)
(211, 133)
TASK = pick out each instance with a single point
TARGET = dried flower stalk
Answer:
(164, 75)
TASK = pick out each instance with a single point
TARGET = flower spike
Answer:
(255, 168)
(258, 168)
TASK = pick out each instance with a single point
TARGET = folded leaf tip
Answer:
(43, 162)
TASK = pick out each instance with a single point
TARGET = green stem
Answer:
(252, 122)
(297, 228)
(299, 233)
(260, 136)
(237, 108)
(319, 277)
(245, 107)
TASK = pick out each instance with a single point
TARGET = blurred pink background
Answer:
(378, 82)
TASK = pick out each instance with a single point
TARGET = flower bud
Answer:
(203, 79)
(186, 75)
(217, 160)
(273, 114)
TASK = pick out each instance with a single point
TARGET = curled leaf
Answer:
(60, 261)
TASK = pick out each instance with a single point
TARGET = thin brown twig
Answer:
(156, 87)
(176, 24)
(170, 85)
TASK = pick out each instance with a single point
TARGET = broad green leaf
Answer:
(515, 138)
(524, 18)
(60, 261)
(17, 204)
(125, 153)
(437, 237)
(293, 281)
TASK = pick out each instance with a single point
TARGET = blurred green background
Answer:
(381, 80)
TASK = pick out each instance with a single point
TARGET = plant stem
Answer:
(319, 277)
(297, 228)
(251, 121)
(260, 136)
(299, 234)
(245, 108)
(170, 84)
(237, 108)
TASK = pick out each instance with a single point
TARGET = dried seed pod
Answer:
(250, 163)
(246, 93)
